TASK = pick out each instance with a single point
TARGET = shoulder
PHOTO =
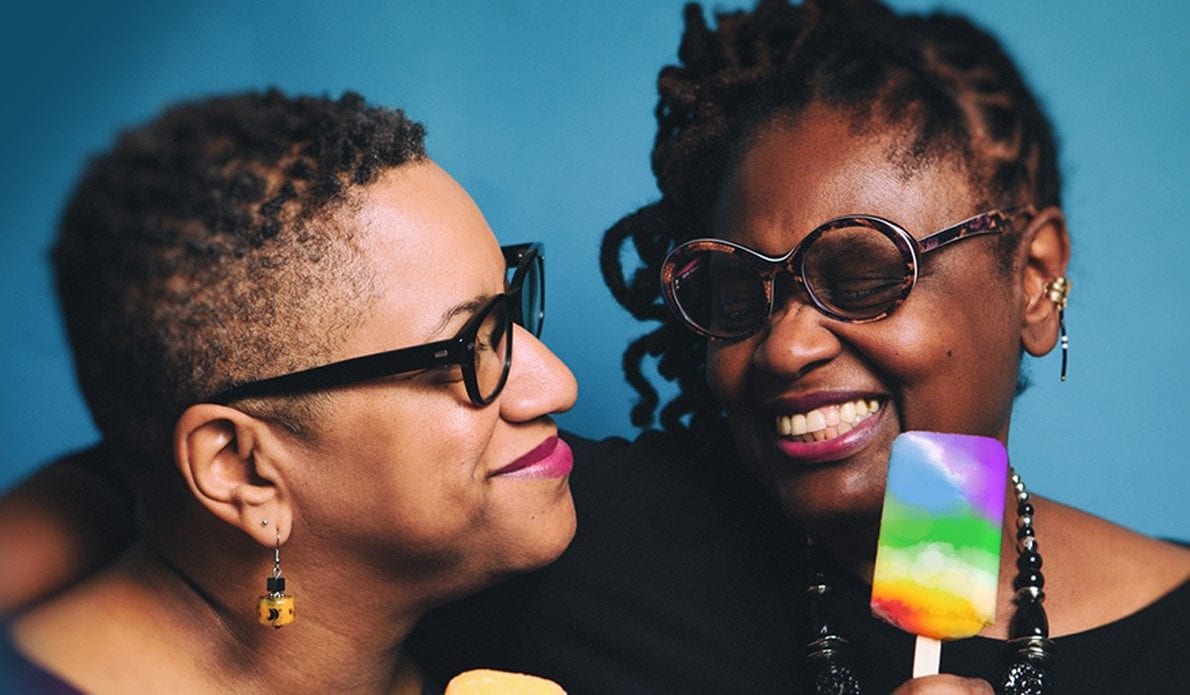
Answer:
(22, 675)
(1098, 572)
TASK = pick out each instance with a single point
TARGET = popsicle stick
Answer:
(927, 655)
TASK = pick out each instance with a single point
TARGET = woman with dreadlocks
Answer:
(859, 234)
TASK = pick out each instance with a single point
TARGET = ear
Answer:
(1045, 247)
(231, 462)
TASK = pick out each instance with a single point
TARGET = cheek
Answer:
(727, 367)
(958, 374)
(438, 461)
(410, 470)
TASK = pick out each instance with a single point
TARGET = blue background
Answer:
(543, 110)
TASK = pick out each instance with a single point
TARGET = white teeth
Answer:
(826, 422)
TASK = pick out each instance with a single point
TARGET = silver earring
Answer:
(1058, 291)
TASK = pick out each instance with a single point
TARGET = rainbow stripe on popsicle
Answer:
(938, 557)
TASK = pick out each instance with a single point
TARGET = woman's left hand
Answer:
(945, 684)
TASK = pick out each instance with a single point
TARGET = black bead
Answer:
(1025, 679)
(1025, 531)
(1030, 620)
(836, 679)
(1024, 509)
(816, 622)
(275, 585)
(1029, 560)
(1029, 578)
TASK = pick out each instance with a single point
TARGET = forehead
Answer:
(428, 248)
(794, 175)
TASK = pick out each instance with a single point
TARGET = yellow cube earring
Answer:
(275, 608)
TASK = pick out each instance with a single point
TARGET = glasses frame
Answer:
(459, 350)
(768, 267)
(520, 259)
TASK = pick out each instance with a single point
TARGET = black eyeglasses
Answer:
(525, 280)
(857, 268)
(482, 349)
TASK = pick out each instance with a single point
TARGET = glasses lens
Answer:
(720, 292)
(526, 284)
(857, 272)
(493, 348)
(532, 296)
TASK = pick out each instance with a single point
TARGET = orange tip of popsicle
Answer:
(483, 681)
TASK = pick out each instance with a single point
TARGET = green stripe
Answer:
(903, 526)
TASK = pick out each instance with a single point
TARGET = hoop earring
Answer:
(1058, 291)
(275, 608)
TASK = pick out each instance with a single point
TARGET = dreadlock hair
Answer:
(202, 250)
(945, 82)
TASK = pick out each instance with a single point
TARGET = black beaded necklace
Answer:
(1032, 650)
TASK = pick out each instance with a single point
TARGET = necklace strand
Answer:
(1030, 649)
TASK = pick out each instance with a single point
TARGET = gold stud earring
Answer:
(275, 608)
(1058, 291)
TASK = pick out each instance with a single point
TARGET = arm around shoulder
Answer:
(59, 525)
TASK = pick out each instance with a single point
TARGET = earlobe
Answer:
(222, 454)
(1045, 247)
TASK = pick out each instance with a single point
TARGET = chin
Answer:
(549, 533)
(808, 483)
(831, 493)
(560, 534)
(838, 494)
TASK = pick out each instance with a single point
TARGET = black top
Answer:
(684, 578)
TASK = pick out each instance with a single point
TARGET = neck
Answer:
(347, 636)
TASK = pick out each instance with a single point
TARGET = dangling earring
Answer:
(275, 608)
(1058, 290)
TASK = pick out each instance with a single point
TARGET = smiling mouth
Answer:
(827, 422)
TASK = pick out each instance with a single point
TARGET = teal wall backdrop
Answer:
(543, 110)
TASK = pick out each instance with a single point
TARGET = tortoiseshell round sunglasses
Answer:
(856, 268)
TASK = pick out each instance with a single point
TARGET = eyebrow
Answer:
(469, 306)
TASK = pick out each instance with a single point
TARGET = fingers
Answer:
(945, 684)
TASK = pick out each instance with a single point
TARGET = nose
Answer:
(539, 383)
(796, 339)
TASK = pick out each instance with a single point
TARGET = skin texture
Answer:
(954, 375)
(387, 510)
(945, 685)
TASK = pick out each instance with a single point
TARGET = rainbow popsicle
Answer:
(938, 557)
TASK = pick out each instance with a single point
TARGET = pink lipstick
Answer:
(834, 449)
(550, 459)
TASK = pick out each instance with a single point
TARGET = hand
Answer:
(945, 684)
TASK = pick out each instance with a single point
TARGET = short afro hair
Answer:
(202, 250)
